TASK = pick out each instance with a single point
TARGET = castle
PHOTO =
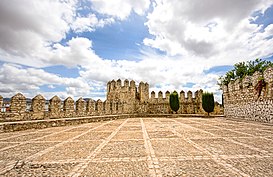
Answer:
(126, 98)
(132, 99)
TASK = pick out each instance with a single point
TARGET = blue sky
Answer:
(72, 48)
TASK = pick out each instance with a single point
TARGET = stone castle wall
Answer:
(126, 98)
(241, 98)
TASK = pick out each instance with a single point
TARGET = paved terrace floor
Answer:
(141, 147)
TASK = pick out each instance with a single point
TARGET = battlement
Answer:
(122, 98)
(245, 88)
(127, 91)
(183, 99)
(241, 98)
(117, 85)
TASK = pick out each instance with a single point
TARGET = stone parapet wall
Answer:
(40, 124)
(241, 98)
(126, 98)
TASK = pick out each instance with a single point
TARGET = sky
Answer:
(74, 47)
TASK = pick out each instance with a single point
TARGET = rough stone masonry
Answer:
(241, 99)
(126, 98)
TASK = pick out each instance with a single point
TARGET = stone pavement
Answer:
(141, 147)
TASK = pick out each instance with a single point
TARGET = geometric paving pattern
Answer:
(141, 147)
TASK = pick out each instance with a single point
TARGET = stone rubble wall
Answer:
(241, 99)
(121, 99)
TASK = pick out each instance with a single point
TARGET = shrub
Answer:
(174, 101)
(208, 102)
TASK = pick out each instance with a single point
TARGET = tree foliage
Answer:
(174, 101)
(243, 69)
(208, 102)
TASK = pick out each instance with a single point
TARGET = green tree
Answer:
(243, 69)
(174, 101)
(208, 102)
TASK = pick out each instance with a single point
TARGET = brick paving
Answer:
(141, 147)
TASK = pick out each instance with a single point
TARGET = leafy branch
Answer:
(243, 69)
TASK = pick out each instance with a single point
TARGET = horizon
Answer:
(73, 48)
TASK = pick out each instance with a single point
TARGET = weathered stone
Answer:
(18, 103)
(90, 107)
(80, 107)
(55, 107)
(68, 107)
(99, 107)
(244, 103)
(38, 107)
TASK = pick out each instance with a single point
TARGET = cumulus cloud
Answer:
(15, 78)
(211, 29)
(27, 30)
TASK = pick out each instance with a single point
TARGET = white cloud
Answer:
(89, 23)
(211, 29)
(120, 9)
(29, 27)
(14, 78)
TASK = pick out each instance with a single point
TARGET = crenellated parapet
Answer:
(241, 98)
(122, 98)
(160, 104)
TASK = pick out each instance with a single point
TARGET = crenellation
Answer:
(160, 97)
(182, 96)
(54, 107)
(90, 107)
(106, 107)
(118, 84)
(80, 107)
(38, 107)
(68, 107)
(189, 96)
(18, 103)
(167, 96)
(113, 85)
(126, 83)
(152, 98)
(99, 107)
